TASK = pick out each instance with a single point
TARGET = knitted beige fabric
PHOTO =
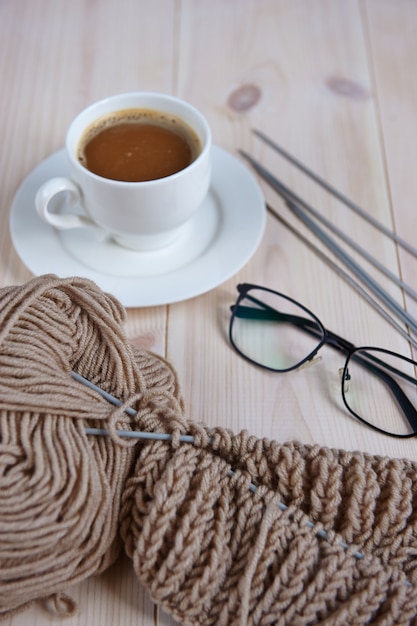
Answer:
(209, 547)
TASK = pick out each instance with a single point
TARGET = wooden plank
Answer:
(393, 49)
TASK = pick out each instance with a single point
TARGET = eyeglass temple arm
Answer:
(267, 313)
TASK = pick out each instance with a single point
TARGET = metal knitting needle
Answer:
(355, 246)
(354, 267)
(132, 434)
(337, 194)
(332, 245)
(183, 438)
(323, 534)
(344, 275)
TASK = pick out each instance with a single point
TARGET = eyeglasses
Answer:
(273, 331)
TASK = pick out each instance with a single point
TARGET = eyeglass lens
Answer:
(381, 388)
(272, 331)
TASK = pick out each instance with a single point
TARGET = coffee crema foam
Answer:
(138, 145)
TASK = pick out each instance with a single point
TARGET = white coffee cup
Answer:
(143, 215)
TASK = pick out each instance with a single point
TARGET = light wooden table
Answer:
(332, 81)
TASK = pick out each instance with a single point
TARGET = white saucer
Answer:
(216, 243)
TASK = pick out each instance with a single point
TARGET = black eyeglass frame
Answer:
(337, 342)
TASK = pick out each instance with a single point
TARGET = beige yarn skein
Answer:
(60, 490)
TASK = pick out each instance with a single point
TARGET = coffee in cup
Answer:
(137, 145)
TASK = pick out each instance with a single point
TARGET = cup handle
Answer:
(48, 191)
